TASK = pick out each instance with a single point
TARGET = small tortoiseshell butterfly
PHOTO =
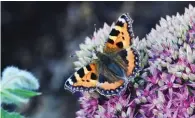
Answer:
(110, 73)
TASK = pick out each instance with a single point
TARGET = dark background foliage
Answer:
(40, 37)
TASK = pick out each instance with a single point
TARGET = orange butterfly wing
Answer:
(109, 83)
(120, 36)
(85, 78)
(129, 61)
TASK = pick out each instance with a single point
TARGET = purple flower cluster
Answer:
(167, 96)
(168, 72)
(113, 107)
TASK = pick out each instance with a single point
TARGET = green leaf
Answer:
(10, 98)
(17, 96)
(5, 114)
(24, 93)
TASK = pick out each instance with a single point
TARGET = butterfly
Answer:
(110, 73)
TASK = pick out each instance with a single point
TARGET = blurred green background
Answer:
(41, 36)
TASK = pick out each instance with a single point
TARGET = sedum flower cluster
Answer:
(168, 71)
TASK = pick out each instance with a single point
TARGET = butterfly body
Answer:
(107, 61)
(114, 67)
